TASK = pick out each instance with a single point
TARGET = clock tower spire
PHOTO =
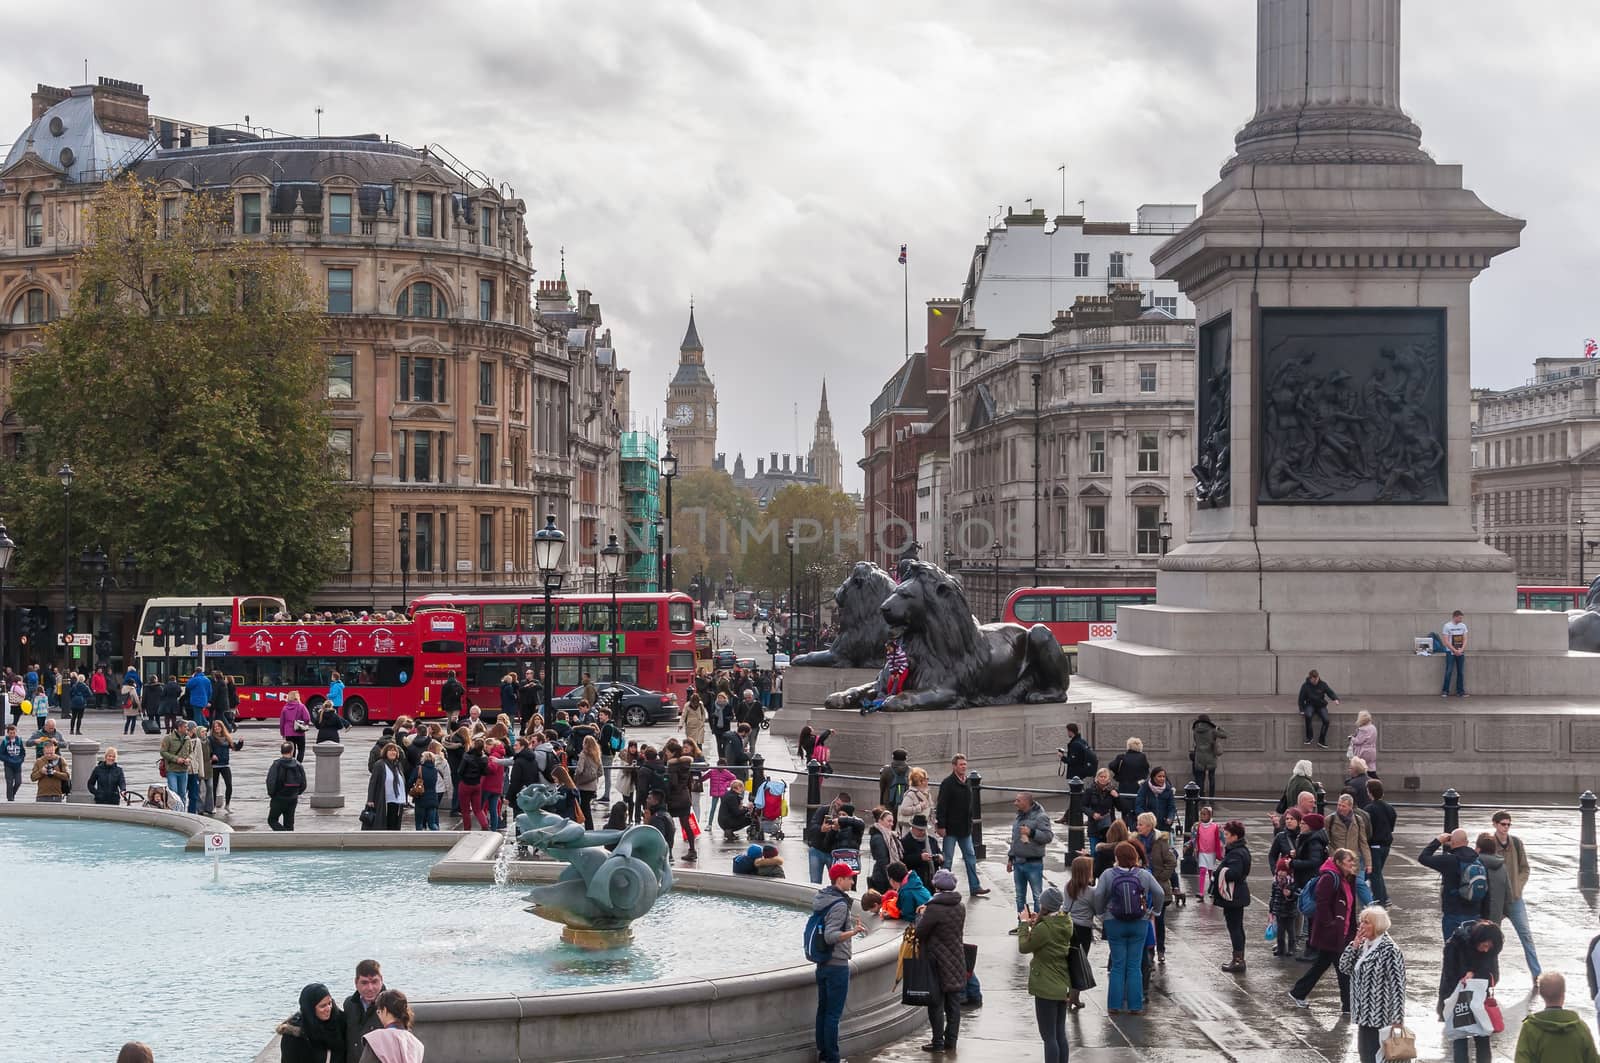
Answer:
(692, 404)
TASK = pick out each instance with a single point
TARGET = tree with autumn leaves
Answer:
(184, 386)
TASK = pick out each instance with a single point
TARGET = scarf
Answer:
(891, 840)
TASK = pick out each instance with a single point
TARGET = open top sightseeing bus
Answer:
(172, 630)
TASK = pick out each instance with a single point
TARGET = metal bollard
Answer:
(975, 784)
(1075, 836)
(1191, 806)
(1322, 800)
(1588, 873)
(1452, 810)
(813, 787)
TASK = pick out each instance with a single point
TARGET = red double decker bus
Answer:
(390, 668)
(653, 634)
(1074, 614)
(1555, 599)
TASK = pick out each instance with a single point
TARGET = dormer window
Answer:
(424, 213)
(33, 223)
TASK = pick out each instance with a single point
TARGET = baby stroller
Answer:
(772, 804)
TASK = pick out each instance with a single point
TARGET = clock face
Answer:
(685, 413)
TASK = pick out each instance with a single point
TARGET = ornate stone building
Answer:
(824, 461)
(692, 406)
(459, 413)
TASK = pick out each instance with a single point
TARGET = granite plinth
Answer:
(805, 689)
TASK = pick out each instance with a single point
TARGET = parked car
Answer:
(722, 614)
(725, 660)
(635, 706)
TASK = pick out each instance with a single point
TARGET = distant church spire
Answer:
(691, 338)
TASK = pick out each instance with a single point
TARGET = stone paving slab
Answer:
(1196, 1011)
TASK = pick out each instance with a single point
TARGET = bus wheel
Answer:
(355, 710)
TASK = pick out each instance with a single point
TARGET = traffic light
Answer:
(72, 620)
(160, 636)
(772, 644)
(24, 626)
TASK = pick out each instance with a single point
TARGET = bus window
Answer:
(489, 671)
(219, 620)
(638, 616)
(474, 616)
(569, 618)
(569, 671)
(533, 617)
(1556, 602)
(680, 661)
(597, 616)
(499, 618)
(1032, 609)
(680, 617)
(444, 646)
(258, 610)
(1109, 603)
(1078, 608)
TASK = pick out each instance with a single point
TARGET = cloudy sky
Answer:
(770, 157)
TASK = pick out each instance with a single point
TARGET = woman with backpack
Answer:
(1124, 897)
(1332, 924)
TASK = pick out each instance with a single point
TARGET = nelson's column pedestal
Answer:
(1330, 270)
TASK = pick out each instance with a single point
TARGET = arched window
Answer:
(33, 307)
(421, 300)
(33, 221)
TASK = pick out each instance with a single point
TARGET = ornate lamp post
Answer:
(669, 472)
(6, 548)
(997, 550)
(611, 565)
(788, 537)
(65, 474)
(96, 563)
(404, 535)
(661, 555)
(1164, 530)
(548, 543)
(1581, 522)
(949, 559)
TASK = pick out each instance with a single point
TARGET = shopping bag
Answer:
(1399, 1046)
(908, 951)
(1492, 1008)
(1464, 1012)
(694, 825)
(1271, 933)
(916, 986)
(1079, 970)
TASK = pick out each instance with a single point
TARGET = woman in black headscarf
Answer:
(315, 1033)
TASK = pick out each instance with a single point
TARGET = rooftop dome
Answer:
(70, 138)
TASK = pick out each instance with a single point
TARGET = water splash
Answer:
(507, 853)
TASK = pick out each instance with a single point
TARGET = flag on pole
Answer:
(1590, 348)
(902, 254)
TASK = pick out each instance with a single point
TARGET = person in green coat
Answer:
(1300, 782)
(1555, 1035)
(1207, 748)
(1047, 934)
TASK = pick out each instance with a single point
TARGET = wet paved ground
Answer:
(1197, 1012)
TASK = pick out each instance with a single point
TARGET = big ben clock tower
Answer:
(692, 405)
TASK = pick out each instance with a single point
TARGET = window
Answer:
(1094, 529)
(1167, 303)
(1147, 524)
(1097, 380)
(341, 376)
(485, 299)
(499, 617)
(33, 307)
(169, 217)
(424, 213)
(1117, 268)
(1032, 609)
(1097, 452)
(422, 554)
(422, 456)
(485, 383)
(1149, 452)
(250, 212)
(341, 289)
(345, 545)
(339, 214)
(485, 542)
(486, 226)
(340, 466)
(1147, 377)
(421, 300)
(33, 221)
(485, 457)
(1080, 263)
(421, 379)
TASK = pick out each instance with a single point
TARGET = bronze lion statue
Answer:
(1583, 626)
(862, 629)
(955, 661)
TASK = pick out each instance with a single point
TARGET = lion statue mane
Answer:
(955, 661)
(862, 629)
(1583, 625)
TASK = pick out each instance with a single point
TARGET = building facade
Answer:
(1070, 449)
(905, 467)
(773, 473)
(824, 460)
(692, 406)
(1536, 472)
(459, 412)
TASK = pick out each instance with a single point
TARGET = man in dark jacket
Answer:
(1310, 853)
(921, 851)
(952, 814)
(1315, 696)
(360, 1007)
(524, 770)
(1355, 784)
(450, 696)
(529, 693)
(286, 781)
(1382, 815)
(1080, 757)
(1457, 853)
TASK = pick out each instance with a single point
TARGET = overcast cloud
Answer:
(770, 158)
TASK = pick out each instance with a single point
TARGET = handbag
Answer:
(417, 788)
(916, 986)
(1400, 1045)
(1491, 1007)
(369, 818)
(1079, 971)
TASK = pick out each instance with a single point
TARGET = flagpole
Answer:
(905, 280)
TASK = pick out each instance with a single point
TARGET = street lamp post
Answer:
(661, 556)
(548, 543)
(611, 563)
(789, 538)
(96, 563)
(405, 560)
(997, 550)
(1581, 522)
(6, 547)
(669, 472)
(949, 559)
(1164, 530)
(65, 474)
